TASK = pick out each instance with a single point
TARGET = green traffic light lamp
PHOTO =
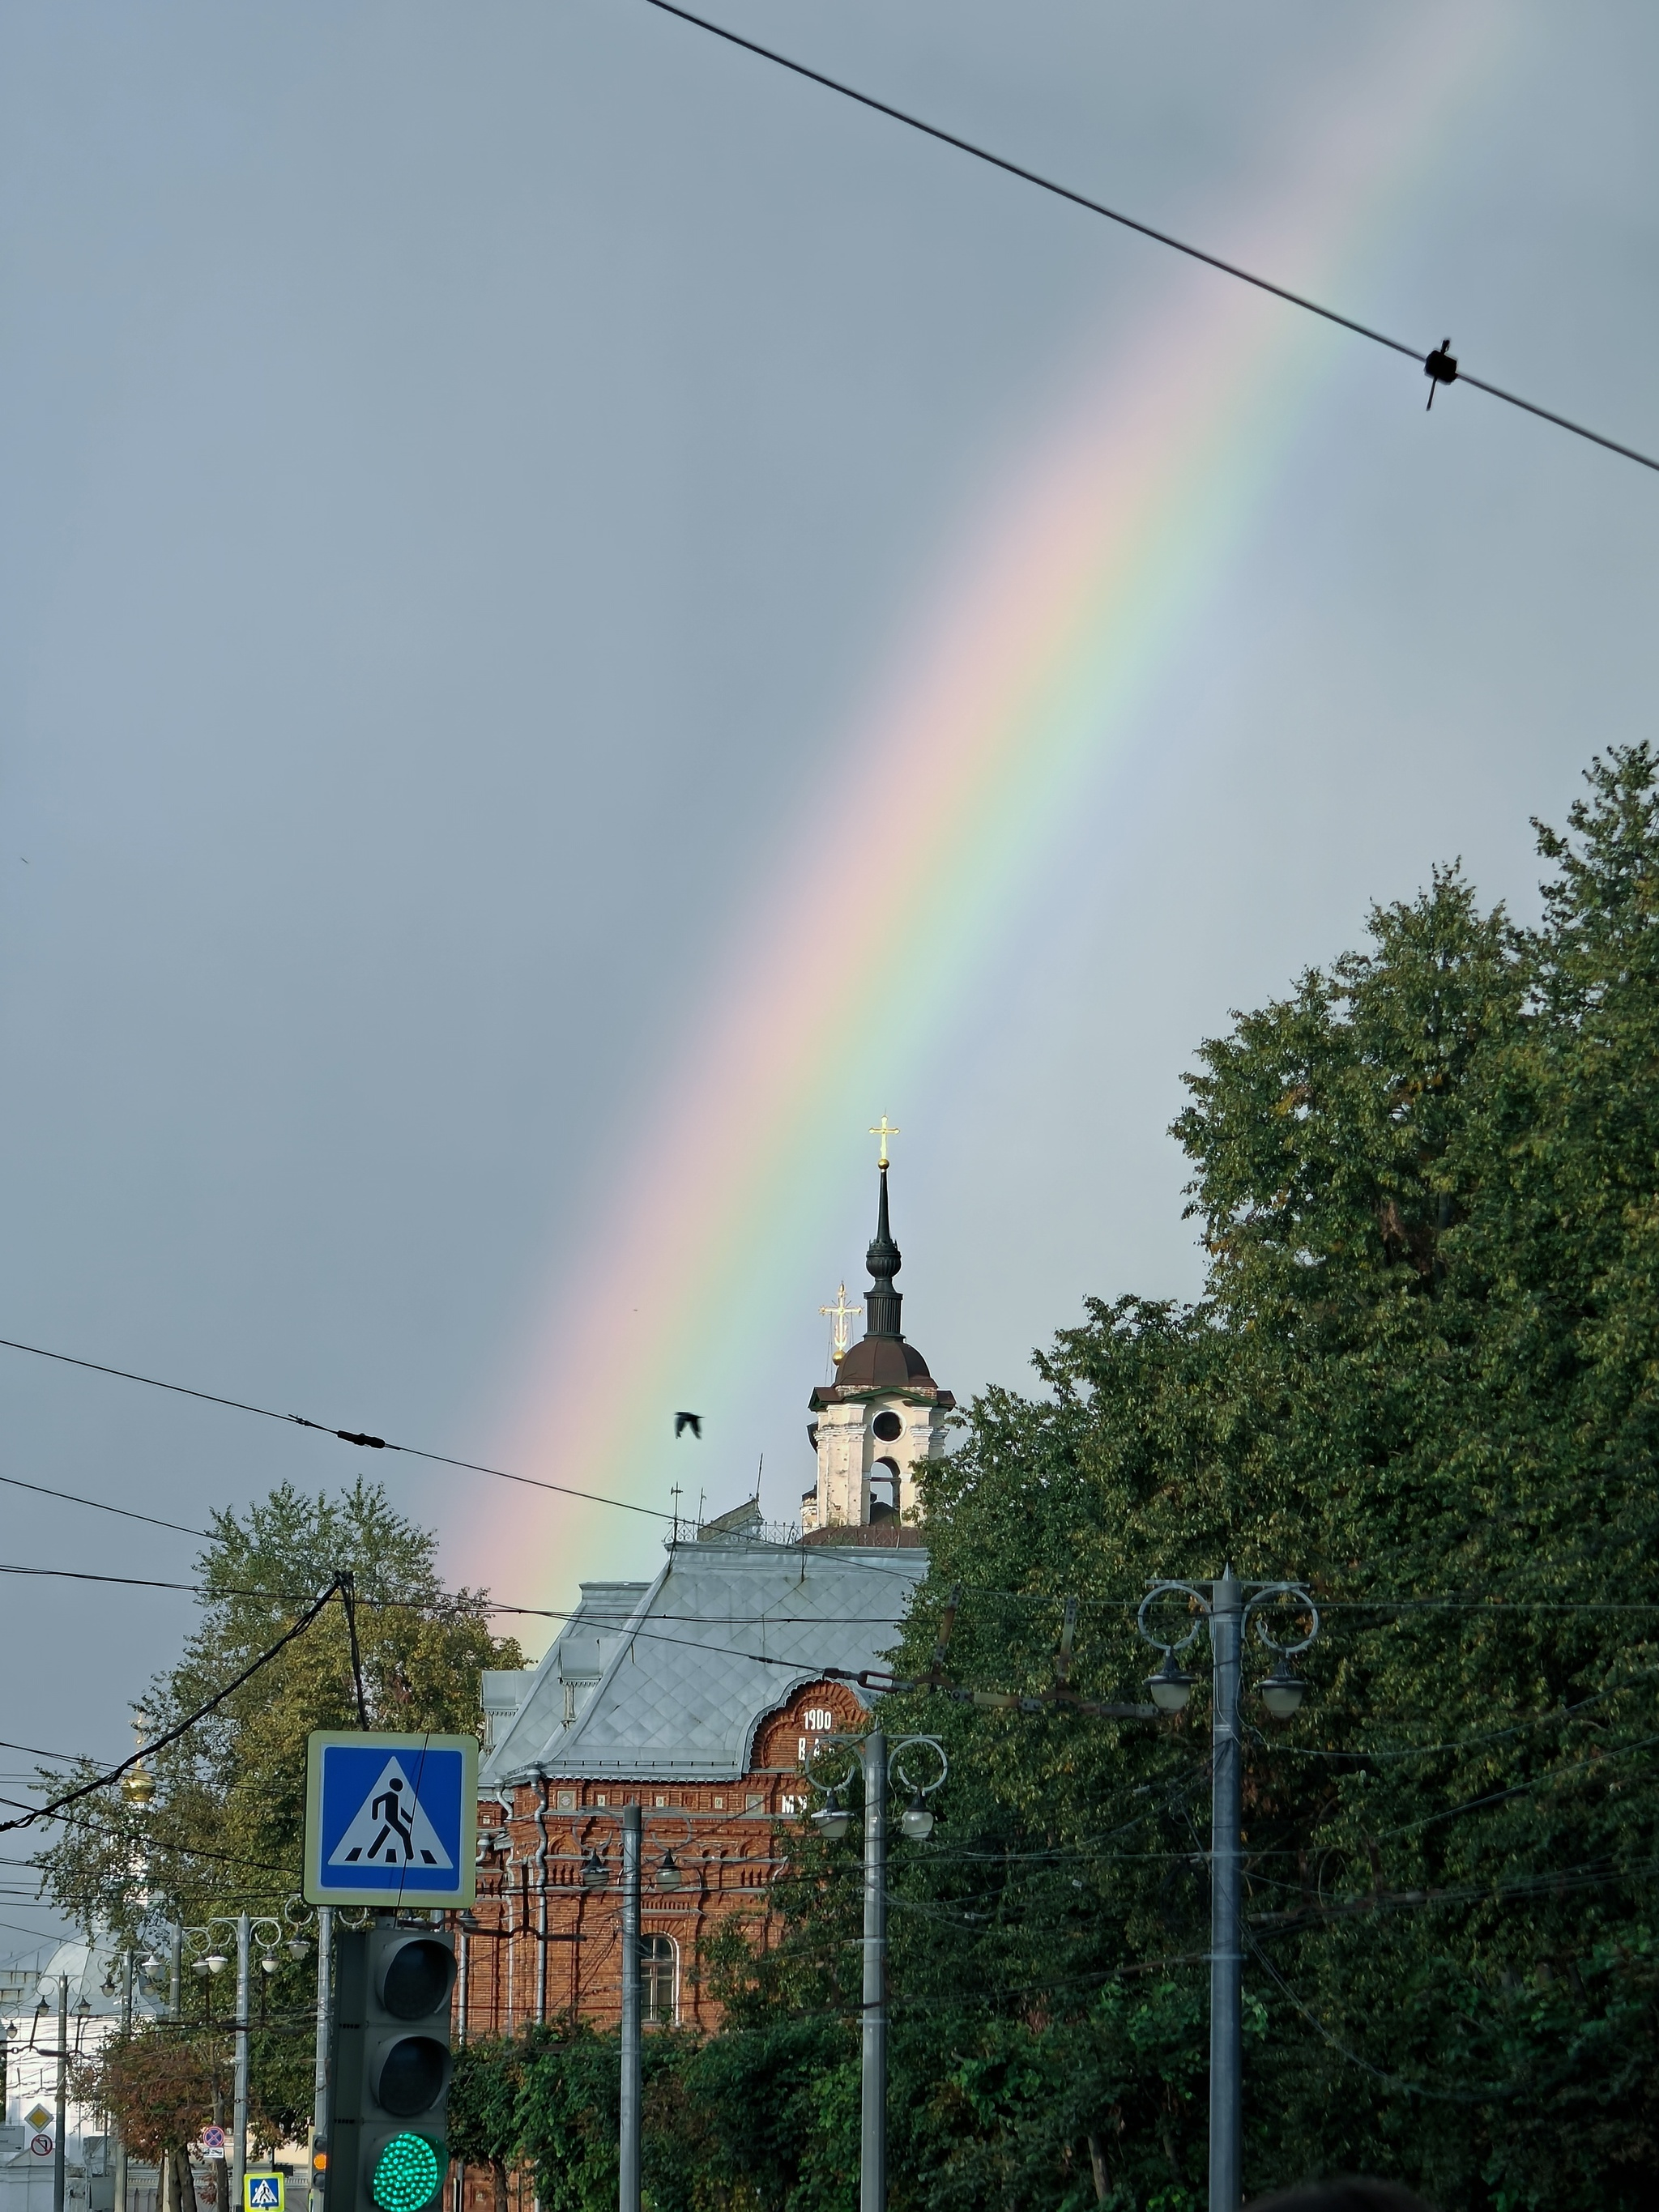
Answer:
(407, 2173)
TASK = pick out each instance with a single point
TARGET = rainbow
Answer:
(1015, 689)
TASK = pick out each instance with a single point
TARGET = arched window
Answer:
(658, 1981)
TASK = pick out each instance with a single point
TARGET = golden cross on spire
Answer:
(884, 1129)
(841, 1313)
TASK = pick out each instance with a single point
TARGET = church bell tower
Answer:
(882, 1415)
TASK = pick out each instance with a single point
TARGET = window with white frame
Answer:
(658, 1981)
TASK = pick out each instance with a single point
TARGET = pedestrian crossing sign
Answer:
(262, 2192)
(390, 1819)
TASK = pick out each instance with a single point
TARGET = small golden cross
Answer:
(842, 1314)
(884, 1129)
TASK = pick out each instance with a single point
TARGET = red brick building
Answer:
(545, 1943)
(697, 1695)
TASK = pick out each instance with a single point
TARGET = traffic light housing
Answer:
(389, 2067)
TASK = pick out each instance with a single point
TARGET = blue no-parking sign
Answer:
(391, 1819)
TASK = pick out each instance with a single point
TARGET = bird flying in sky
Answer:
(684, 1421)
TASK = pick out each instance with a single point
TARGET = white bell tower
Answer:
(882, 1415)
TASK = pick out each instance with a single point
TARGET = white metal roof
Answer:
(669, 1679)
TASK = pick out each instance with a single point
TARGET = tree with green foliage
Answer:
(1422, 1379)
(224, 1831)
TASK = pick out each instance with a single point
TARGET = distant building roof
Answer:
(668, 1680)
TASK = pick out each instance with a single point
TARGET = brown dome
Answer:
(881, 1363)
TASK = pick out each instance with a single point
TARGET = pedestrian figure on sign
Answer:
(388, 1809)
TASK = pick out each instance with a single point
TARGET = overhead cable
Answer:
(182, 1728)
(1438, 364)
(160, 1843)
(878, 1681)
(358, 1437)
(43, 1490)
(826, 1557)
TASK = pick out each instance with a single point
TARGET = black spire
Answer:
(882, 1302)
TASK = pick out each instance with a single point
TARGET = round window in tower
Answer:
(887, 1426)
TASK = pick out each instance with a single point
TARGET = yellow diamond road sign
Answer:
(38, 2117)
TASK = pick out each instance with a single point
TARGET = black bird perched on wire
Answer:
(684, 1421)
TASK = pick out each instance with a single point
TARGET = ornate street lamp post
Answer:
(245, 1930)
(1222, 1606)
(881, 1765)
(596, 1877)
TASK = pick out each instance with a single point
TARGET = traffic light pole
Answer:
(389, 2066)
(628, 2190)
(319, 2063)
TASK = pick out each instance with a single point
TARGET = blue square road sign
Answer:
(390, 1820)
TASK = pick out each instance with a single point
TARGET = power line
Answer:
(425, 1604)
(129, 1582)
(1438, 364)
(157, 1842)
(824, 1556)
(1390, 2080)
(327, 1429)
(878, 1681)
(173, 1734)
(43, 1490)
(35, 1751)
(393, 1605)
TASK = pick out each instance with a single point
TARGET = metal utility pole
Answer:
(126, 2032)
(238, 2109)
(627, 2191)
(63, 2078)
(873, 2119)
(1227, 1614)
(1226, 1961)
(319, 2073)
(880, 1763)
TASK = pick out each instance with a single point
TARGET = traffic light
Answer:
(389, 2068)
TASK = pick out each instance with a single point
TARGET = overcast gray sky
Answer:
(463, 473)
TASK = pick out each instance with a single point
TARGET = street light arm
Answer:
(1200, 1601)
(1305, 1604)
(912, 1743)
(839, 1741)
